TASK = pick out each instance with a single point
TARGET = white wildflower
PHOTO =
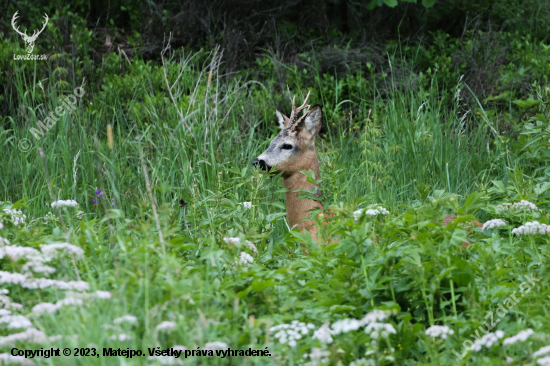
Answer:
(215, 345)
(542, 351)
(252, 247)
(524, 205)
(69, 301)
(4, 291)
(520, 337)
(363, 362)
(375, 316)
(4, 312)
(121, 337)
(101, 295)
(45, 307)
(4, 241)
(357, 214)
(370, 212)
(246, 204)
(492, 224)
(346, 325)
(245, 258)
(166, 325)
(62, 203)
(290, 333)
(375, 330)
(436, 331)
(323, 334)
(15, 321)
(532, 228)
(125, 318)
(79, 215)
(54, 250)
(7, 359)
(1, 225)
(232, 240)
(545, 361)
(16, 216)
(487, 340)
(16, 253)
(38, 267)
(41, 283)
(55, 338)
(317, 356)
(31, 335)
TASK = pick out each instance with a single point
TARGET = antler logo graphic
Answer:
(29, 40)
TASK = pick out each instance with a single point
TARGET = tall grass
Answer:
(396, 146)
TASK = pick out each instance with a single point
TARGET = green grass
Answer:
(414, 151)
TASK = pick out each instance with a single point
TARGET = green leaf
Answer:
(428, 3)
(526, 103)
(371, 5)
(391, 3)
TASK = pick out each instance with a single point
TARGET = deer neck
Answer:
(297, 208)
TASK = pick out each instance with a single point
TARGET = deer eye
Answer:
(286, 147)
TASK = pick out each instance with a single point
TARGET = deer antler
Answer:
(292, 120)
(35, 34)
(14, 25)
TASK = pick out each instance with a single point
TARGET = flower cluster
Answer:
(532, 228)
(545, 361)
(487, 340)
(30, 335)
(346, 325)
(7, 359)
(165, 325)
(126, 318)
(492, 224)
(290, 333)
(375, 330)
(522, 205)
(55, 250)
(71, 299)
(16, 216)
(244, 259)
(26, 281)
(520, 337)
(317, 356)
(542, 351)
(436, 331)
(246, 204)
(323, 334)
(370, 212)
(62, 203)
(15, 321)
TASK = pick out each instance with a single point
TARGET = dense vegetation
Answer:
(430, 109)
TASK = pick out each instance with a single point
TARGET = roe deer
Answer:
(291, 151)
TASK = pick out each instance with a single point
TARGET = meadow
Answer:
(137, 222)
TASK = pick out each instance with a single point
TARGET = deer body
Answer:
(291, 151)
(294, 150)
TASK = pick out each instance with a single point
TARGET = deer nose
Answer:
(260, 163)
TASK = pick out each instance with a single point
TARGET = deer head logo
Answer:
(29, 40)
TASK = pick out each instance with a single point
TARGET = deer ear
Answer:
(313, 120)
(283, 120)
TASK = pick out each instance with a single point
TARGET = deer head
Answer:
(292, 150)
(29, 40)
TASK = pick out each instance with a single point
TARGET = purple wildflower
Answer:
(95, 201)
(98, 193)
